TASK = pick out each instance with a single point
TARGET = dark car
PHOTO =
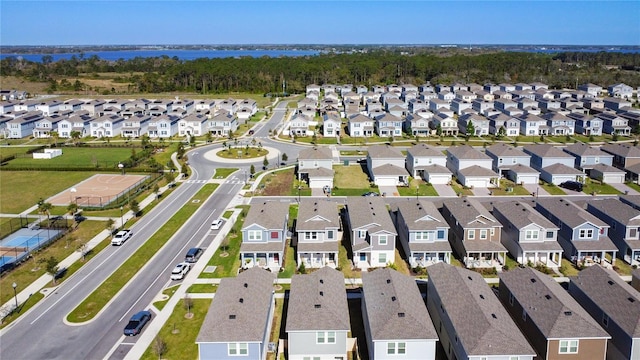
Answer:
(572, 185)
(371, 193)
(137, 322)
(193, 255)
(251, 132)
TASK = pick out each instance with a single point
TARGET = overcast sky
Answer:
(86, 22)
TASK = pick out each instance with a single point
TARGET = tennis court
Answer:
(99, 190)
(18, 246)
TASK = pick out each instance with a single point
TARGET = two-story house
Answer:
(614, 124)
(164, 126)
(107, 126)
(587, 124)
(445, 124)
(136, 126)
(318, 323)
(388, 125)
(529, 236)
(264, 235)
(471, 167)
(46, 126)
(583, 237)
(620, 90)
(624, 222)
(386, 166)
(78, 123)
(512, 163)
(503, 125)
(479, 122)
(223, 124)
(428, 163)
(22, 125)
(331, 124)
(470, 320)
(315, 166)
(614, 304)
(371, 232)
(417, 124)
(559, 124)
(422, 232)
(553, 322)
(360, 126)
(397, 324)
(555, 165)
(586, 157)
(299, 125)
(193, 125)
(238, 322)
(475, 233)
(532, 125)
(318, 233)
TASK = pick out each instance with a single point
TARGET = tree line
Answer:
(267, 74)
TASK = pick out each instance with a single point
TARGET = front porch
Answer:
(589, 258)
(318, 260)
(270, 261)
(550, 259)
(632, 256)
(485, 260)
(424, 259)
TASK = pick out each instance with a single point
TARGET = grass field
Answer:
(99, 298)
(424, 189)
(179, 332)
(226, 258)
(237, 153)
(223, 173)
(278, 183)
(14, 150)
(552, 189)
(48, 183)
(350, 177)
(78, 157)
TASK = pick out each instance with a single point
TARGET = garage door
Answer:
(559, 179)
(385, 181)
(528, 179)
(438, 179)
(320, 183)
(477, 183)
(613, 179)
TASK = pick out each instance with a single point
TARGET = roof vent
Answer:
(481, 296)
(321, 293)
(469, 277)
(388, 281)
(610, 282)
(494, 316)
(533, 280)
(568, 313)
(232, 317)
(241, 300)
(631, 299)
(393, 298)
(401, 314)
(317, 306)
(548, 297)
(246, 285)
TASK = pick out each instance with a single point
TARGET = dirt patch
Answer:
(279, 183)
(12, 82)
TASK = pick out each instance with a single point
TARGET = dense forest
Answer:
(265, 74)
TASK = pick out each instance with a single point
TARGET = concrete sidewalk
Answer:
(46, 280)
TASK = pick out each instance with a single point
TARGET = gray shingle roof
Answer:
(521, 214)
(624, 150)
(615, 297)
(421, 215)
(604, 168)
(481, 323)
(467, 152)
(371, 212)
(425, 150)
(268, 214)
(314, 214)
(384, 152)
(556, 314)
(318, 301)
(546, 150)
(241, 303)
(582, 149)
(394, 307)
(568, 212)
(476, 170)
(467, 211)
(502, 149)
(621, 212)
(316, 153)
(389, 169)
(562, 169)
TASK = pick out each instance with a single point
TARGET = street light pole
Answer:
(15, 293)
(121, 218)
(299, 193)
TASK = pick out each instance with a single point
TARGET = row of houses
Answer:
(502, 110)
(528, 316)
(127, 118)
(388, 166)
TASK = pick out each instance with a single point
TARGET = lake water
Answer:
(180, 54)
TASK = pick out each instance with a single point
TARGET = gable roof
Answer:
(555, 313)
(394, 307)
(467, 211)
(521, 214)
(467, 152)
(241, 303)
(561, 169)
(315, 214)
(318, 301)
(268, 214)
(422, 149)
(582, 149)
(545, 151)
(421, 215)
(623, 213)
(502, 149)
(610, 293)
(384, 151)
(316, 153)
(481, 323)
(568, 212)
(369, 211)
(624, 150)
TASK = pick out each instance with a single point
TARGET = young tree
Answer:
(75, 135)
(501, 132)
(265, 162)
(439, 130)
(110, 225)
(159, 347)
(72, 208)
(285, 157)
(192, 141)
(135, 207)
(156, 190)
(52, 267)
(187, 301)
(470, 130)
(252, 170)
(45, 209)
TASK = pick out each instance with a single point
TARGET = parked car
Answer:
(180, 271)
(216, 224)
(137, 322)
(193, 255)
(371, 193)
(121, 237)
(572, 185)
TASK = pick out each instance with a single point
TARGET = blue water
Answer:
(180, 54)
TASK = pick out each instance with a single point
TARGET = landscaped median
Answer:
(95, 302)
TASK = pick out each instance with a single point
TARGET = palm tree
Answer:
(75, 135)
(45, 208)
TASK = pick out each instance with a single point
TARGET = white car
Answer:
(121, 237)
(216, 224)
(180, 271)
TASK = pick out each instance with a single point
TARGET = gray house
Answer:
(588, 156)
(504, 156)
(318, 233)
(371, 232)
(315, 166)
(553, 322)
(422, 232)
(318, 316)
(625, 223)
(583, 237)
(555, 165)
(397, 324)
(238, 323)
(386, 166)
(612, 303)
(587, 124)
(428, 163)
(529, 236)
(264, 235)
(469, 319)
(472, 167)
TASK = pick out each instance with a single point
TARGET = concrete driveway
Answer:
(444, 190)
(533, 188)
(388, 190)
(623, 188)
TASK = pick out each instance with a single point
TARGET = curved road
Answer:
(42, 333)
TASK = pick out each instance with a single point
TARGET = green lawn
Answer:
(78, 157)
(22, 308)
(597, 187)
(242, 153)
(424, 189)
(223, 173)
(633, 185)
(163, 157)
(289, 262)
(276, 326)
(508, 187)
(91, 305)
(350, 177)
(567, 268)
(179, 332)
(227, 257)
(48, 183)
(203, 288)
(31, 270)
(6, 151)
(459, 189)
(552, 189)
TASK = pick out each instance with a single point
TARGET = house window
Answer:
(633, 233)
(483, 234)
(330, 234)
(568, 347)
(440, 234)
(382, 239)
(549, 235)
(531, 235)
(471, 235)
(382, 259)
(238, 349)
(255, 235)
(396, 348)
(586, 233)
(311, 235)
(362, 234)
(274, 235)
(605, 320)
(325, 337)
